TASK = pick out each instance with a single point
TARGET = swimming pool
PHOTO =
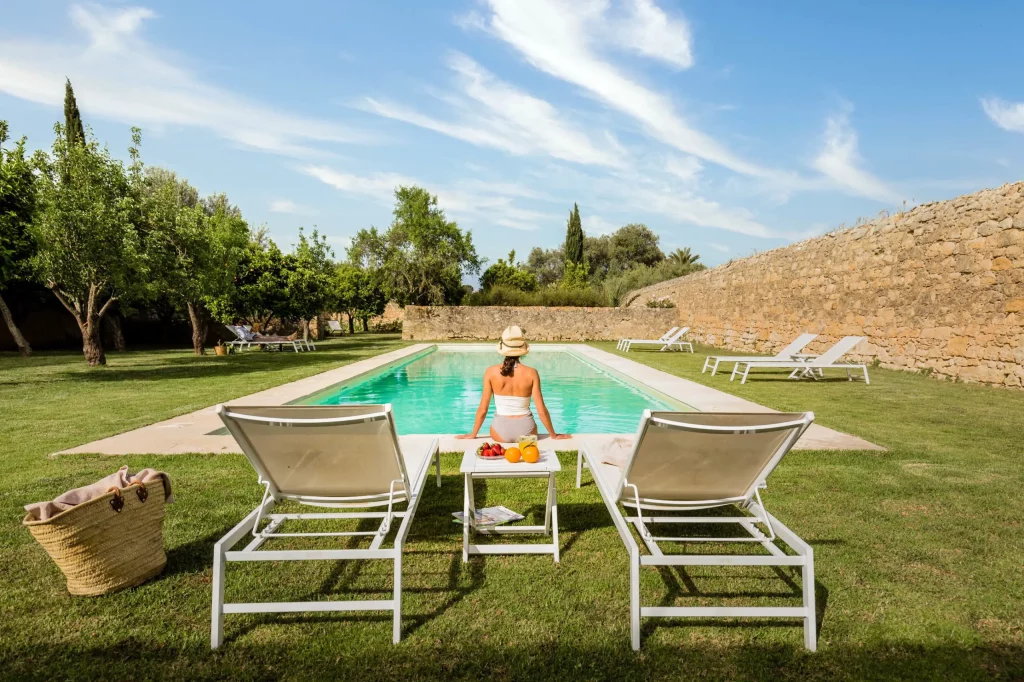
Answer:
(439, 390)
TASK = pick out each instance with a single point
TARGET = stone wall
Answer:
(540, 324)
(939, 287)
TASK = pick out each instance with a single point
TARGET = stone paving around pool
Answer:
(191, 433)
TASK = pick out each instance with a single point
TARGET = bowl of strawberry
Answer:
(490, 451)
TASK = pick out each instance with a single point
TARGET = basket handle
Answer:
(116, 502)
(142, 493)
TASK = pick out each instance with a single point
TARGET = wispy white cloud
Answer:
(287, 206)
(720, 247)
(120, 76)
(596, 225)
(563, 39)
(649, 31)
(476, 201)
(497, 114)
(687, 168)
(1006, 115)
(840, 161)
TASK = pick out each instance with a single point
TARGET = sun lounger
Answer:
(664, 337)
(334, 327)
(807, 367)
(790, 352)
(688, 461)
(247, 339)
(666, 344)
(342, 456)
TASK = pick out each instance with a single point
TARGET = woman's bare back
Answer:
(520, 384)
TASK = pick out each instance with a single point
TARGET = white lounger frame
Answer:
(244, 343)
(664, 337)
(790, 352)
(665, 343)
(222, 552)
(803, 559)
(807, 367)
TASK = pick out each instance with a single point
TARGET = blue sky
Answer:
(725, 127)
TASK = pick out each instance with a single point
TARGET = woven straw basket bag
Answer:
(108, 543)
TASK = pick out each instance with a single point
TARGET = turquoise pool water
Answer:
(440, 391)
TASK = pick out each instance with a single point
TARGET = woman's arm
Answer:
(542, 411)
(481, 412)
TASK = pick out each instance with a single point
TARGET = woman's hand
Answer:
(466, 436)
(560, 436)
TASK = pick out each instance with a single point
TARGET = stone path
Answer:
(191, 432)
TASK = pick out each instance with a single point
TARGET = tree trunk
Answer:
(351, 324)
(200, 327)
(92, 342)
(116, 332)
(23, 347)
(366, 324)
(304, 323)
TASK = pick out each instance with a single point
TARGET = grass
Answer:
(918, 549)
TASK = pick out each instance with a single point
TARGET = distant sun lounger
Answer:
(674, 340)
(790, 352)
(808, 367)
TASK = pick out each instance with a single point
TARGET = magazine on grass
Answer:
(490, 516)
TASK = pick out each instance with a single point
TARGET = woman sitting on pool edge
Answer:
(512, 384)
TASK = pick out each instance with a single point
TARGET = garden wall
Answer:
(939, 287)
(540, 324)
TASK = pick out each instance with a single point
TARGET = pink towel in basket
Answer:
(119, 479)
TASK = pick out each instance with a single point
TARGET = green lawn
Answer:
(918, 549)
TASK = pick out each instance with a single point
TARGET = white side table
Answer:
(474, 467)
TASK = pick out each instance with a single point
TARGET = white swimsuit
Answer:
(511, 405)
(512, 417)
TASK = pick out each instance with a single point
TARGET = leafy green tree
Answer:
(509, 274)
(547, 265)
(358, 294)
(422, 257)
(89, 246)
(577, 275)
(74, 131)
(309, 278)
(259, 290)
(195, 252)
(17, 208)
(632, 245)
(683, 257)
(574, 237)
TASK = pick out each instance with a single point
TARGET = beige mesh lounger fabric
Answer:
(687, 461)
(341, 456)
(667, 342)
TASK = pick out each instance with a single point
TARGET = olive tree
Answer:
(89, 247)
(194, 246)
(17, 208)
(309, 277)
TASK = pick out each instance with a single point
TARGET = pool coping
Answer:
(190, 433)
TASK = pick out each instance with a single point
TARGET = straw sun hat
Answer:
(513, 343)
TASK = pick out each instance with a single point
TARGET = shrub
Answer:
(660, 303)
(551, 296)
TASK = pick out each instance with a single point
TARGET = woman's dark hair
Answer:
(509, 366)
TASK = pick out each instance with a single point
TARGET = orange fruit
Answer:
(531, 454)
(513, 455)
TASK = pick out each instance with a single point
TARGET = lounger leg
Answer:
(579, 468)
(746, 371)
(437, 458)
(217, 619)
(634, 599)
(553, 501)
(396, 626)
(715, 368)
(866, 380)
(465, 517)
(811, 620)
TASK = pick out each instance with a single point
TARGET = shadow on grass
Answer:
(422, 659)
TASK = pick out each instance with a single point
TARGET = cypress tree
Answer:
(574, 237)
(74, 131)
